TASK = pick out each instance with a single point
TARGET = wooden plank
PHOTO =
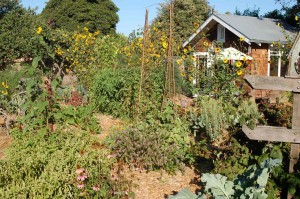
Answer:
(296, 111)
(295, 148)
(274, 83)
(273, 134)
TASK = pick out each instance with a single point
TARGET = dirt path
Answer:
(4, 142)
(153, 184)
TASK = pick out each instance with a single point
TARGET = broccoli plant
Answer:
(250, 184)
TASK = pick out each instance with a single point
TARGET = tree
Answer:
(71, 14)
(254, 12)
(6, 6)
(188, 16)
(16, 31)
(291, 9)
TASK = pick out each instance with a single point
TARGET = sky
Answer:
(132, 12)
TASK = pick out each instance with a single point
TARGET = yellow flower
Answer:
(58, 51)
(217, 50)
(225, 61)
(239, 72)
(158, 23)
(4, 92)
(191, 78)
(97, 32)
(39, 30)
(238, 64)
(165, 44)
(296, 18)
(67, 70)
(205, 43)
(182, 74)
(278, 24)
(5, 85)
(185, 51)
(242, 38)
(244, 58)
(154, 28)
(179, 61)
(86, 29)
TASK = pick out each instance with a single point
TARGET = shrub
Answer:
(16, 30)
(216, 117)
(115, 92)
(151, 147)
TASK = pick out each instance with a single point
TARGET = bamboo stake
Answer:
(142, 66)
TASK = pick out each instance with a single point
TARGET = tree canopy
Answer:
(188, 15)
(16, 30)
(71, 14)
(7, 5)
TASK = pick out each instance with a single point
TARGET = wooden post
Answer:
(145, 37)
(294, 153)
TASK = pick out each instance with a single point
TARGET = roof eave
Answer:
(217, 19)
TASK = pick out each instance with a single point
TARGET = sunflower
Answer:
(39, 30)
(238, 64)
(225, 61)
(217, 50)
(239, 72)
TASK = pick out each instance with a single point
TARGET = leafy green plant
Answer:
(115, 92)
(251, 184)
(43, 166)
(277, 114)
(216, 117)
(152, 147)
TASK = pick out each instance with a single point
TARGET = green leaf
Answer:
(36, 61)
(42, 106)
(218, 185)
(184, 194)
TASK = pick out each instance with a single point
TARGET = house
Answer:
(262, 39)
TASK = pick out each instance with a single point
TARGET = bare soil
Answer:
(4, 142)
(153, 184)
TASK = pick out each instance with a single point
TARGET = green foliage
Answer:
(43, 166)
(216, 117)
(94, 14)
(107, 51)
(153, 146)
(115, 92)
(232, 161)
(277, 114)
(16, 30)
(81, 117)
(12, 75)
(7, 5)
(188, 15)
(251, 184)
(254, 12)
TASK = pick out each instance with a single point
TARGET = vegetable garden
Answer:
(55, 151)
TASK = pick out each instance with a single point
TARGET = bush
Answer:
(216, 117)
(115, 92)
(152, 147)
(16, 30)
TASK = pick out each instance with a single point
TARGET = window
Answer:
(274, 64)
(221, 33)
